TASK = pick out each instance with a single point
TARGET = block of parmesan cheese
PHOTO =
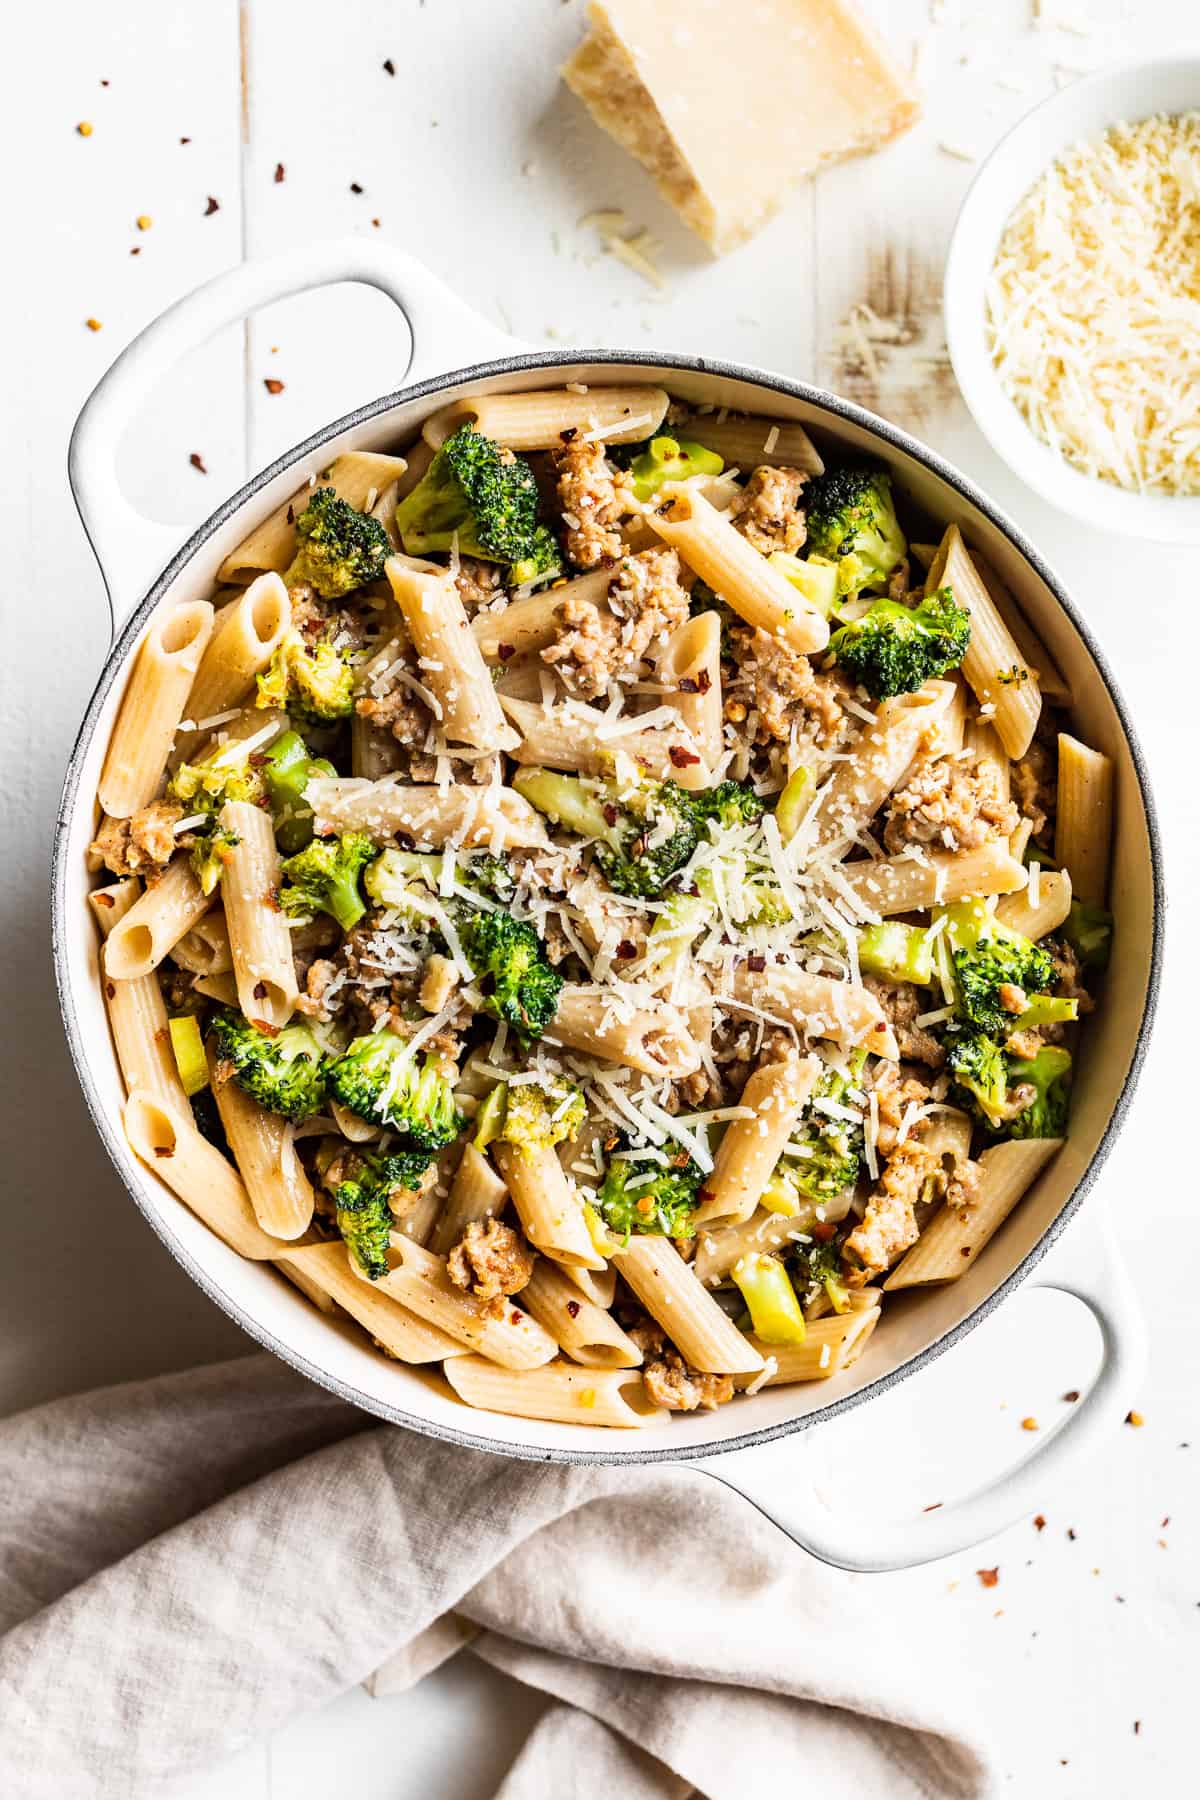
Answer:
(729, 103)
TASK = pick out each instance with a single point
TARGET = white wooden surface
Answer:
(475, 158)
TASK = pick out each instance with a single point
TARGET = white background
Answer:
(475, 158)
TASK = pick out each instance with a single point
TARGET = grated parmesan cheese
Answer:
(1093, 306)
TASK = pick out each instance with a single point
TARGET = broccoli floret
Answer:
(390, 879)
(818, 1264)
(998, 958)
(538, 1115)
(641, 1195)
(979, 1067)
(323, 877)
(666, 459)
(287, 770)
(381, 1080)
(731, 803)
(895, 649)
(484, 497)
(1088, 930)
(363, 1210)
(835, 1145)
(338, 549)
(542, 561)
(313, 681)
(285, 1072)
(852, 522)
(644, 835)
(508, 956)
(202, 788)
(1049, 1074)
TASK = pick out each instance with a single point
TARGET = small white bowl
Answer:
(1128, 92)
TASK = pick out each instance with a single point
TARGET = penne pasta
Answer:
(154, 925)
(747, 441)
(830, 1345)
(902, 884)
(1084, 825)
(777, 1094)
(1034, 653)
(549, 1208)
(858, 788)
(577, 738)
(736, 572)
(655, 1039)
(419, 1282)
(137, 1016)
(588, 1333)
(204, 950)
(704, 1335)
(492, 817)
(818, 1006)
(993, 665)
(1053, 905)
(690, 670)
(619, 415)
(373, 752)
(476, 1193)
(532, 623)
(152, 706)
(449, 656)
(162, 1134)
(260, 943)
(952, 1240)
(557, 1391)
(396, 1330)
(723, 1243)
(245, 636)
(264, 1148)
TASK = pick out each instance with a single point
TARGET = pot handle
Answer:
(771, 1476)
(131, 549)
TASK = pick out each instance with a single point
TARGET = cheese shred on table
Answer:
(1094, 306)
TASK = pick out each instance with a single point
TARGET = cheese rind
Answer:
(727, 107)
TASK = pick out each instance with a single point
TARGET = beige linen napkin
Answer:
(186, 1563)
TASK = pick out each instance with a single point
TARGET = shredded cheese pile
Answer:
(1093, 306)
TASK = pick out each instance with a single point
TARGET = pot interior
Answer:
(336, 1353)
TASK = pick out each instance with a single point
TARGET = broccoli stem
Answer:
(682, 919)
(288, 768)
(794, 802)
(565, 800)
(815, 578)
(775, 1311)
(1047, 1009)
(896, 952)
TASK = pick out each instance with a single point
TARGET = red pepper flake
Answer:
(1029, 1424)
(703, 1194)
(645, 1206)
(104, 83)
(1135, 1419)
(681, 758)
(273, 384)
(703, 680)
(136, 250)
(110, 986)
(93, 324)
(756, 963)
(164, 1149)
(356, 187)
(214, 205)
(1071, 1395)
(1071, 1533)
(185, 140)
(280, 172)
(260, 990)
(688, 684)
(626, 949)
(197, 462)
(106, 900)
(377, 223)
(823, 1231)
(934, 1507)
(989, 1577)
(1137, 1727)
(611, 815)
(570, 434)
(573, 1308)
(389, 65)
(291, 515)
(1039, 1521)
(266, 1027)
(1165, 1522)
(504, 651)
(515, 1317)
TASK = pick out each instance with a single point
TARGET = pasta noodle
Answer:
(952, 1240)
(993, 664)
(354, 477)
(1083, 830)
(152, 706)
(264, 1149)
(449, 656)
(745, 442)
(623, 415)
(245, 636)
(556, 1391)
(260, 943)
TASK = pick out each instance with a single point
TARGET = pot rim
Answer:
(539, 360)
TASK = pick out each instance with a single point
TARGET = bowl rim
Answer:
(982, 215)
(530, 362)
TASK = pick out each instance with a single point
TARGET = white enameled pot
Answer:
(756, 1445)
